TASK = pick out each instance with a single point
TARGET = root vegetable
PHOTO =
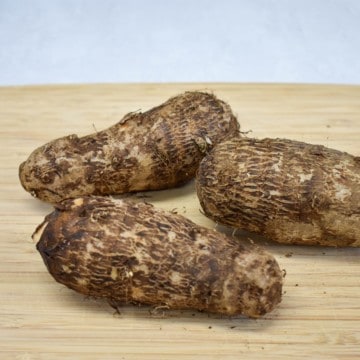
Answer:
(289, 191)
(131, 252)
(158, 149)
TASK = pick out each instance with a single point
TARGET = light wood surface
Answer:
(319, 316)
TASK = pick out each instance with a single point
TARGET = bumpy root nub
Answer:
(133, 253)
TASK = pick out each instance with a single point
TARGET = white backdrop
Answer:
(72, 41)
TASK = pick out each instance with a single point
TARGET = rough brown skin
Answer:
(289, 191)
(158, 149)
(131, 252)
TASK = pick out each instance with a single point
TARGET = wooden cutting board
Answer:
(319, 316)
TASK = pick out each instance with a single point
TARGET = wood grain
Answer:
(40, 319)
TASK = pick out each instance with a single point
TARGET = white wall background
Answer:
(72, 41)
